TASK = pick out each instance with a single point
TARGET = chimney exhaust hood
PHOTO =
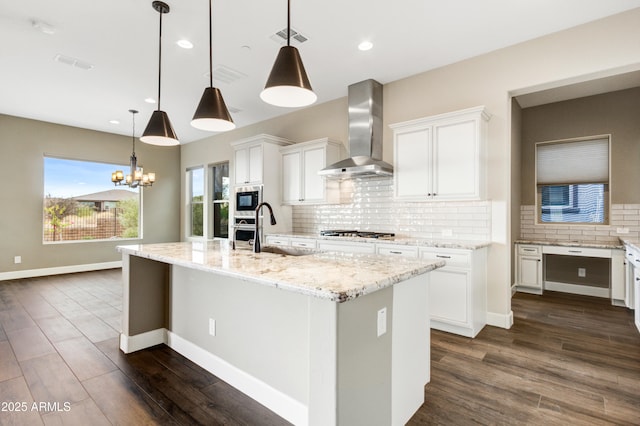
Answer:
(365, 135)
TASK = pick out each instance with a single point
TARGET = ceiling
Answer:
(119, 39)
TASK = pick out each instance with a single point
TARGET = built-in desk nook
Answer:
(593, 269)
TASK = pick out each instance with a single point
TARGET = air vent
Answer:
(226, 75)
(296, 37)
(233, 110)
(73, 62)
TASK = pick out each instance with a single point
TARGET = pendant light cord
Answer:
(133, 131)
(210, 46)
(288, 22)
(159, 58)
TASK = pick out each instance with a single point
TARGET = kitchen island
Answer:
(319, 338)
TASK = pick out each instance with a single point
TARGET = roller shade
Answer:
(573, 162)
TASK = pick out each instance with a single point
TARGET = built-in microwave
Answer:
(248, 198)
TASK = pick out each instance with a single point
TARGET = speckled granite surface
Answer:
(335, 276)
(419, 242)
(561, 243)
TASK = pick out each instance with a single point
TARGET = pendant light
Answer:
(159, 130)
(288, 84)
(136, 177)
(212, 114)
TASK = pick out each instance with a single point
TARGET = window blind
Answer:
(573, 162)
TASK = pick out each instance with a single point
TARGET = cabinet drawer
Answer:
(529, 250)
(392, 250)
(578, 251)
(303, 242)
(458, 259)
(277, 241)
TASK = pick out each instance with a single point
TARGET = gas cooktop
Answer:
(355, 233)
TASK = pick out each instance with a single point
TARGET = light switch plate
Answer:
(212, 326)
(17, 259)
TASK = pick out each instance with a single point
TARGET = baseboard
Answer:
(278, 402)
(578, 289)
(58, 270)
(130, 344)
(500, 320)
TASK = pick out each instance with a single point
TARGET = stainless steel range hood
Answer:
(365, 135)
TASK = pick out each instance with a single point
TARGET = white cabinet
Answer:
(346, 246)
(458, 291)
(529, 268)
(301, 163)
(397, 250)
(441, 157)
(253, 155)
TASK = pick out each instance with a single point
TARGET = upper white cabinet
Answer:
(253, 155)
(441, 157)
(301, 163)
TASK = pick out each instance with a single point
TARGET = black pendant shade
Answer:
(159, 130)
(212, 113)
(288, 84)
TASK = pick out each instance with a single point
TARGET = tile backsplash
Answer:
(368, 205)
(624, 216)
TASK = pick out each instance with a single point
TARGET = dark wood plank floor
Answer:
(567, 360)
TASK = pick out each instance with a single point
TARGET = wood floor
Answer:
(568, 360)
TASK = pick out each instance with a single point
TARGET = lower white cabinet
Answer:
(346, 246)
(458, 291)
(529, 268)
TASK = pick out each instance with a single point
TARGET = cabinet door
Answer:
(455, 161)
(291, 177)
(449, 296)
(530, 271)
(241, 166)
(255, 164)
(348, 247)
(412, 174)
(313, 184)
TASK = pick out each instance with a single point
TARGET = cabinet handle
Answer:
(302, 244)
(428, 194)
(443, 257)
(575, 251)
(539, 260)
(395, 252)
(529, 249)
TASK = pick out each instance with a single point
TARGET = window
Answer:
(195, 178)
(81, 204)
(573, 181)
(220, 198)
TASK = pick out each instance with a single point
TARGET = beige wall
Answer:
(616, 113)
(597, 49)
(23, 144)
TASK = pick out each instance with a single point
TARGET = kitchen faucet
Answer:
(256, 239)
(233, 233)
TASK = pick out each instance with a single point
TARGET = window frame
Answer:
(190, 203)
(572, 199)
(108, 184)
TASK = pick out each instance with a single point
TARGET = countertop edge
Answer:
(417, 242)
(334, 296)
(560, 243)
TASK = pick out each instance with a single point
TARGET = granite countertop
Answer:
(418, 242)
(562, 243)
(633, 243)
(334, 276)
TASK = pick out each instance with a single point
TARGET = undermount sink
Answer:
(288, 251)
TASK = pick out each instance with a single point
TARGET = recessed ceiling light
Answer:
(365, 45)
(43, 27)
(114, 122)
(185, 44)
(150, 101)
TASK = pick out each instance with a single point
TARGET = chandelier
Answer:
(137, 177)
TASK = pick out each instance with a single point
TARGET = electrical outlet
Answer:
(382, 321)
(622, 230)
(212, 326)
(17, 259)
(582, 272)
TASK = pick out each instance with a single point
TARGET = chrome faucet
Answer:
(256, 239)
